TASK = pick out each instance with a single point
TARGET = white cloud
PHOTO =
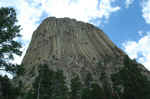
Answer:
(140, 32)
(3, 73)
(146, 10)
(139, 50)
(128, 3)
(26, 14)
(27, 17)
(29, 12)
(79, 9)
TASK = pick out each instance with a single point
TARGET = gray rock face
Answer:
(66, 38)
(72, 46)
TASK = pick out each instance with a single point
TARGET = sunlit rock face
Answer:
(72, 46)
(66, 39)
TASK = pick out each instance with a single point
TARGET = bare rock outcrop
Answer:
(71, 46)
(64, 38)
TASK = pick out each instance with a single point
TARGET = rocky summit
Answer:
(67, 39)
(76, 48)
(69, 45)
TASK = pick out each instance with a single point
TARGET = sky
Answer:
(125, 22)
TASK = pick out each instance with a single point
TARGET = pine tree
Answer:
(76, 88)
(7, 89)
(88, 80)
(106, 88)
(59, 87)
(48, 85)
(8, 32)
(135, 84)
(86, 91)
(92, 90)
(97, 92)
(42, 85)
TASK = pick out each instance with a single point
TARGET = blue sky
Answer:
(126, 22)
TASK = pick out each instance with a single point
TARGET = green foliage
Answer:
(42, 84)
(8, 32)
(29, 95)
(92, 90)
(106, 88)
(128, 83)
(19, 70)
(134, 84)
(48, 85)
(7, 90)
(60, 90)
(88, 80)
(15, 70)
(86, 93)
(51, 85)
(97, 92)
(76, 88)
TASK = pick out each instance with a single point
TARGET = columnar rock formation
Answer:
(71, 46)
(64, 37)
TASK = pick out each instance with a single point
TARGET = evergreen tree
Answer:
(8, 32)
(135, 84)
(107, 90)
(86, 91)
(48, 85)
(42, 85)
(7, 90)
(59, 87)
(97, 92)
(76, 88)
(92, 90)
(88, 80)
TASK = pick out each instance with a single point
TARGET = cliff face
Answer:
(71, 46)
(64, 37)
